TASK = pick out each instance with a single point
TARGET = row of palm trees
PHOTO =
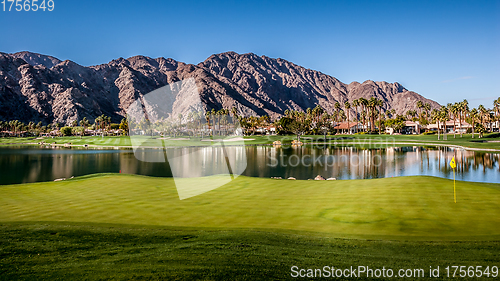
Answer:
(18, 128)
(366, 111)
(195, 123)
(478, 118)
(371, 113)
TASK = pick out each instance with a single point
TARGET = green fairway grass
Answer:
(403, 208)
(129, 227)
(368, 141)
(69, 251)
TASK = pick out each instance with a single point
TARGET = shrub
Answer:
(429, 133)
(66, 131)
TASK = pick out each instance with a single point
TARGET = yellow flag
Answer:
(452, 163)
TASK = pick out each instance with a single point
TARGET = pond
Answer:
(33, 164)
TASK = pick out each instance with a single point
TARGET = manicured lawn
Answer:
(407, 208)
(106, 141)
(466, 140)
(68, 251)
(122, 227)
(336, 140)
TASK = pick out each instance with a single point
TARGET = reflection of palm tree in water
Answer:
(428, 160)
(467, 160)
(439, 158)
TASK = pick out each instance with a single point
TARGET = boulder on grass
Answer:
(319, 178)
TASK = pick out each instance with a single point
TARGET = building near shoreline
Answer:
(349, 127)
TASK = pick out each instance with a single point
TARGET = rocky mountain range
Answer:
(35, 87)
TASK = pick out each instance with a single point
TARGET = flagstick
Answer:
(454, 192)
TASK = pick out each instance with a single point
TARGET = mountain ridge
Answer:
(35, 87)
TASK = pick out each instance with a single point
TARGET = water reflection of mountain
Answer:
(20, 165)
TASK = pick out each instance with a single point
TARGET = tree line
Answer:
(17, 128)
(370, 113)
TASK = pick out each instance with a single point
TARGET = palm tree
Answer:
(380, 103)
(483, 112)
(213, 113)
(455, 110)
(196, 122)
(222, 121)
(123, 126)
(254, 123)
(448, 107)
(264, 120)
(491, 119)
(108, 120)
(317, 112)
(420, 106)
(460, 114)
(234, 111)
(464, 108)
(31, 127)
(427, 108)
(435, 118)
(342, 115)
(364, 111)
(372, 104)
(314, 113)
(308, 111)
(226, 121)
(473, 116)
(207, 117)
(337, 110)
(355, 103)
(13, 126)
(84, 123)
(443, 114)
(347, 106)
(412, 114)
(334, 117)
(219, 114)
(97, 122)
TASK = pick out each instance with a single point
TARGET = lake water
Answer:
(33, 164)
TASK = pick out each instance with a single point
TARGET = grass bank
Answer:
(404, 208)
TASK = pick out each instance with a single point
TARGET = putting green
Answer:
(407, 208)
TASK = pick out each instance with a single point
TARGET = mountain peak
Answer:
(35, 59)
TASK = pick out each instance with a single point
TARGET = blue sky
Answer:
(445, 50)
